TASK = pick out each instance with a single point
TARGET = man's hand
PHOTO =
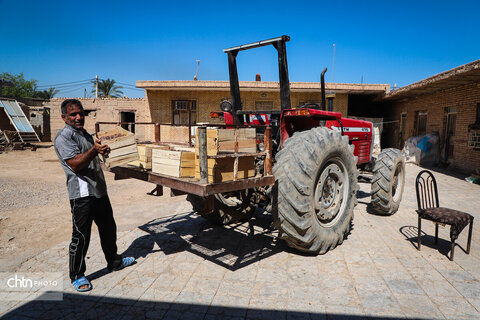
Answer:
(82, 160)
(102, 149)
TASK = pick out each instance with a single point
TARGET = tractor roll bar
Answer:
(279, 44)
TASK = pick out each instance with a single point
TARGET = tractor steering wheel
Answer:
(315, 106)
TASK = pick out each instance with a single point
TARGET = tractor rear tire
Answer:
(228, 207)
(388, 181)
(317, 185)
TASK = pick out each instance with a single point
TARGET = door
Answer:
(420, 123)
(451, 122)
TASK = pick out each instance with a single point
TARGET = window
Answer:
(420, 123)
(474, 132)
(184, 112)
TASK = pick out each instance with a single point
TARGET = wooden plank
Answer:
(181, 148)
(171, 162)
(120, 142)
(170, 170)
(223, 169)
(243, 146)
(187, 171)
(174, 134)
(123, 151)
(166, 154)
(113, 134)
(117, 161)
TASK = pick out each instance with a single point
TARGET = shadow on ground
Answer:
(443, 246)
(233, 247)
(77, 306)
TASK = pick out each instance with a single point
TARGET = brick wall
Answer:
(102, 110)
(464, 98)
(160, 103)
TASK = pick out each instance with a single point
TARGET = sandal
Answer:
(127, 261)
(81, 282)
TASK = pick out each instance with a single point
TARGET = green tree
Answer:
(107, 89)
(21, 88)
(47, 94)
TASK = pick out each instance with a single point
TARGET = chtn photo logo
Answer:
(17, 282)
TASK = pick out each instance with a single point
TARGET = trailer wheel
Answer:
(228, 207)
(317, 184)
(388, 181)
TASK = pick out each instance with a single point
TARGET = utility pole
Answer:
(96, 86)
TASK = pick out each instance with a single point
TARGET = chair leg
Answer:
(452, 250)
(469, 236)
(419, 232)
(436, 233)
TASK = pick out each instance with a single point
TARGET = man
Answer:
(87, 191)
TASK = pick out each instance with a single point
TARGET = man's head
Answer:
(72, 113)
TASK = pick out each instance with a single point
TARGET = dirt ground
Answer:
(35, 210)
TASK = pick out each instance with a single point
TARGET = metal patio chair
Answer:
(429, 209)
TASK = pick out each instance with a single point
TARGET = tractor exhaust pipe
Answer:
(322, 83)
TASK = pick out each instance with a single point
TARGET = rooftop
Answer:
(462, 75)
(261, 86)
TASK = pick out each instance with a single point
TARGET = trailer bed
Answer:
(190, 185)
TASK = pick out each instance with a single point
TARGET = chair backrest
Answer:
(426, 187)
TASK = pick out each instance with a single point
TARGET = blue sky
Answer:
(382, 41)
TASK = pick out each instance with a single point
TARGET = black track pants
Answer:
(84, 211)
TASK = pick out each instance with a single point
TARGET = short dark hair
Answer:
(70, 102)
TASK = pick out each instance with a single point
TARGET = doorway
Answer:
(128, 116)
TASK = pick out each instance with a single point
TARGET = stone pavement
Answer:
(189, 269)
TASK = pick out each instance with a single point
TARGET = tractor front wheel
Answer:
(317, 184)
(388, 181)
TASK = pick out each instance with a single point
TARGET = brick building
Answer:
(447, 104)
(102, 109)
(179, 102)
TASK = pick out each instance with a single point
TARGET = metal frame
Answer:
(279, 44)
(22, 115)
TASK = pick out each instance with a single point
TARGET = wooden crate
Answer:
(221, 141)
(122, 144)
(145, 155)
(173, 163)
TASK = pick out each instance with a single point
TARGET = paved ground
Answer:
(189, 269)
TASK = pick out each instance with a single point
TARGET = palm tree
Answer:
(47, 94)
(107, 89)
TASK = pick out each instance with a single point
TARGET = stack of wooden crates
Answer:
(221, 141)
(175, 160)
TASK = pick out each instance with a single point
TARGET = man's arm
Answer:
(82, 160)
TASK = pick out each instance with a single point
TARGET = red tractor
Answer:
(317, 156)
